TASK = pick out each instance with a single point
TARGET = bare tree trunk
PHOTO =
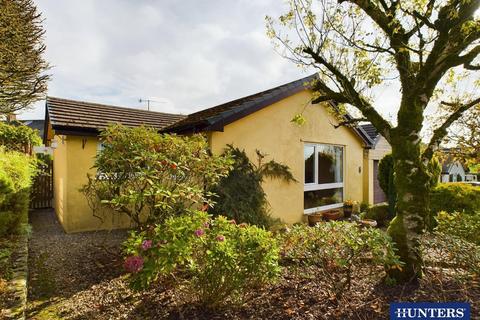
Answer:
(412, 207)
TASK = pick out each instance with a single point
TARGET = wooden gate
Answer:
(42, 188)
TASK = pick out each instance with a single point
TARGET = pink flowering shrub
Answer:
(146, 244)
(219, 260)
(133, 264)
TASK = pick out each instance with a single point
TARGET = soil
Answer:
(80, 276)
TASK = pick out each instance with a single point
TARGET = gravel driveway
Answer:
(62, 265)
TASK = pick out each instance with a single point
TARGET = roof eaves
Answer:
(253, 103)
(75, 131)
(358, 129)
(370, 143)
(227, 117)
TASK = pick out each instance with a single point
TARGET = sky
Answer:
(183, 55)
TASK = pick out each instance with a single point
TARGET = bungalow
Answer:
(331, 165)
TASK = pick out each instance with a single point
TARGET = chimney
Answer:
(11, 117)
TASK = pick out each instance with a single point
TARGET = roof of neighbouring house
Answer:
(449, 162)
(78, 117)
(217, 117)
(35, 124)
(370, 130)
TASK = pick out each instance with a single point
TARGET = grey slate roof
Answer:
(35, 124)
(215, 118)
(71, 116)
(370, 130)
(86, 118)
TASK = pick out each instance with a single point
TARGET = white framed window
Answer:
(100, 147)
(323, 177)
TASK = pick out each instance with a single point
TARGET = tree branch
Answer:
(348, 122)
(424, 18)
(441, 131)
(349, 95)
(378, 16)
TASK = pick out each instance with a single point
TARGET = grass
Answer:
(45, 281)
(45, 309)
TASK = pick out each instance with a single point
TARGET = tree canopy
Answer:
(23, 78)
(428, 47)
(355, 46)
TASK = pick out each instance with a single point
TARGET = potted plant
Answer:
(332, 215)
(348, 208)
(314, 218)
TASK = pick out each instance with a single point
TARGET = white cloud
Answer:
(190, 54)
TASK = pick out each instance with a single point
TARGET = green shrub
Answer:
(455, 197)
(150, 176)
(364, 206)
(458, 224)
(216, 259)
(240, 194)
(336, 248)
(16, 173)
(449, 251)
(18, 137)
(5, 261)
(379, 213)
(386, 181)
(386, 176)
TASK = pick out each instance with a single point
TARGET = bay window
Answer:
(323, 183)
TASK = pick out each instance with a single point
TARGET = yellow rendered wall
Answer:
(271, 131)
(60, 178)
(73, 159)
(368, 179)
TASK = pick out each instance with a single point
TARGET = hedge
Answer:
(451, 197)
(16, 173)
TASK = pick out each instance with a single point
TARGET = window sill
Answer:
(322, 208)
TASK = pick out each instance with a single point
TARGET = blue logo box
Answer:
(430, 310)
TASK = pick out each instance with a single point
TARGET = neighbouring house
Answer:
(331, 165)
(36, 124)
(373, 193)
(453, 170)
(39, 125)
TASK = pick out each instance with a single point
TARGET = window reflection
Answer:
(309, 158)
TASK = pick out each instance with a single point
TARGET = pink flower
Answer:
(233, 222)
(146, 244)
(220, 238)
(243, 225)
(199, 232)
(133, 264)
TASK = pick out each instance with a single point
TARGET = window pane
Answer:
(318, 198)
(309, 157)
(330, 164)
